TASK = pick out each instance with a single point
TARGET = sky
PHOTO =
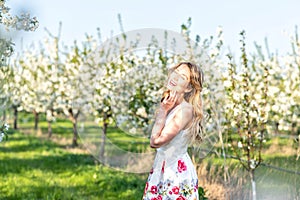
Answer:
(259, 18)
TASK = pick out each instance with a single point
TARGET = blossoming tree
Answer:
(22, 22)
(246, 113)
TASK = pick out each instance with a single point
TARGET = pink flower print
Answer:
(151, 171)
(159, 197)
(163, 167)
(181, 198)
(175, 190)
(196, 186)
(153, 189)
(181, 166)
(146, 188)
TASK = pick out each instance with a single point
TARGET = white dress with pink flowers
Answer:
(173, 175)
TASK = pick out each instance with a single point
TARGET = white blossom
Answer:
(253, 163)
(227, 83)
(1, 136)
(240, 145)
(6, 126)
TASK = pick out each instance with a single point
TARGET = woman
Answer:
(178, 123)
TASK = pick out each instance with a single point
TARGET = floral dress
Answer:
(173, 175)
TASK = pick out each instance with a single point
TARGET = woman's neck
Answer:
(179, 100)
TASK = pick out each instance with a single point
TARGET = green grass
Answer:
(35, 168)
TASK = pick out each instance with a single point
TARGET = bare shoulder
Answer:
(187, 107)
(186, 111)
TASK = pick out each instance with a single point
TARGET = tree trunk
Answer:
(73, 118)
(4, 116)
(50, 124)
(75, 134)
(15, 117)
(36, 119)
(49, 129)
(103, 140)
(253, 184)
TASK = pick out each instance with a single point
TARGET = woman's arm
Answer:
(163, 134)
(158, 126)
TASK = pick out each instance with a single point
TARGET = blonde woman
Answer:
(178, 123)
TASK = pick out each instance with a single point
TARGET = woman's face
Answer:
(179, 79)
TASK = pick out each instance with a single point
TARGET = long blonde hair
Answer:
(195, 131)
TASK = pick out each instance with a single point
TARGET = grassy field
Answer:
(32, 167)
(35, 167)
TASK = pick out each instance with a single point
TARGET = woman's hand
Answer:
(168, 103)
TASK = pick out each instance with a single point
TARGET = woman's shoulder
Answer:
(186, 106)
(186, 109)
(186, 114)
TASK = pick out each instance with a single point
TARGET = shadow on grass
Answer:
(49, 192)
(20, 142)
(25, 152)
(114, 187)
(55, 164)
(31, 145)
